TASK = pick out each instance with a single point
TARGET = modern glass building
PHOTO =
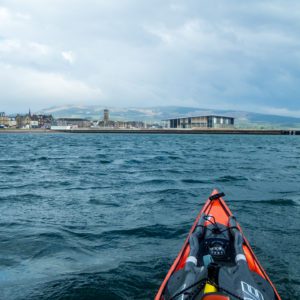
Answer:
(212, 121)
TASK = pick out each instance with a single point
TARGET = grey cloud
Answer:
(226, 54)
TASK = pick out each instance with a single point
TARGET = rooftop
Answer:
(199, 117)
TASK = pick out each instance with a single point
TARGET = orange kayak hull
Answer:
(221, 212)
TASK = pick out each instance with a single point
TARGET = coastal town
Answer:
(194, 124)
(45, 121)
(48, 122)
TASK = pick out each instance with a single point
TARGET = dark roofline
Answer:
(71, 119)
(220, 116)
(199, 117)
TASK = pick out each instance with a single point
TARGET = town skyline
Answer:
(151, 115)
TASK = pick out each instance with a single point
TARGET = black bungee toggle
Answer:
(212, 220)
(216, 196)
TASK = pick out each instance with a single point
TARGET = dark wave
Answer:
(173, 157)
(104, 203)
(41, 158)
(110, 285)
(105, 161)
(153, 231)
(280, 202)
(158, 181)
(196, 181)
(172, 192)
(21, 197)
(230, 178)
(9, 172)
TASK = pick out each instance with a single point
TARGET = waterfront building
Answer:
(211, 121)
(4, 120)
(154, 125)
(106, 115)
(33, 121)
(106, 122)
(45, 121)
(75, 122)
(12, 122)
(24, 121)
(128, 124)
(121, 124)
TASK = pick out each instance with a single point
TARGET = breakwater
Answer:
(188, 131)
(162, 131)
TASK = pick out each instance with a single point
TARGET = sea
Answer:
(103, 216)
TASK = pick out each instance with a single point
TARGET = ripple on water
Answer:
(103, 202)
(99, 216)
(194, 181)
(153, 231)
(280, 202)
(17, 198)
(275, 202)
(230, 178)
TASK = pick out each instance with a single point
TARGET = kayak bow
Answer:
(216, 261)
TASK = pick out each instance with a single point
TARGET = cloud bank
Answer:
(212, 54)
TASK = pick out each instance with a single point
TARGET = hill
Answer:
(243, 119)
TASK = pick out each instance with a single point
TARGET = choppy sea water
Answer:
(103, 216)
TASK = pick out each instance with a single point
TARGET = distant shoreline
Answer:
(161, 131)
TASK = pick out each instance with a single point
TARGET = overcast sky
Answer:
(231, 54)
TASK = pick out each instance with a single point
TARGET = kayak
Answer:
(216, 261)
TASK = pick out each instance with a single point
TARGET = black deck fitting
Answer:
(216, 196)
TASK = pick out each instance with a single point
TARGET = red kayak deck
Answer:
(221, 213)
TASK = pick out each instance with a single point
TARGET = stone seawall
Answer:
(160, 131)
